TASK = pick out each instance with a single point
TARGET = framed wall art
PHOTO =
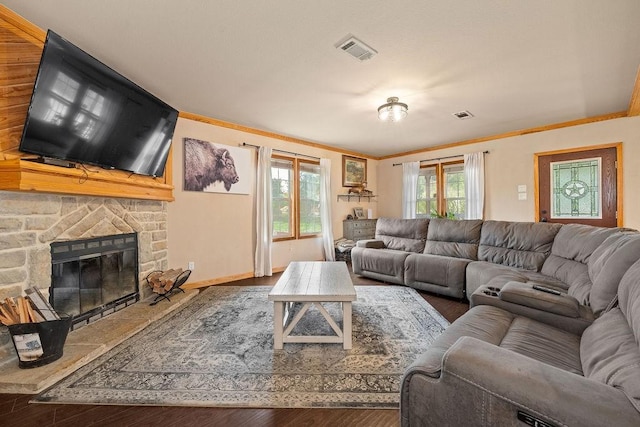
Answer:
(216, 168)
(359, 213)
(354, 171)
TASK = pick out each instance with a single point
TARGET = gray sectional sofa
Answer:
(430, 255)
(452, 257)
(521, 355)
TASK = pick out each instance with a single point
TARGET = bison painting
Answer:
(205, 164)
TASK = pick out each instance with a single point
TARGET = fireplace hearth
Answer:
(94, 277)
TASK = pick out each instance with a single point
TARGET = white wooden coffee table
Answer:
(312, 283)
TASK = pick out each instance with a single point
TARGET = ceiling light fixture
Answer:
(392, 111)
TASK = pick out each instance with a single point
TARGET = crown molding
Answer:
(521, 132)
(634, 104)
(242, 128)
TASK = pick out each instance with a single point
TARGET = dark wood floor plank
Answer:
(139, 416)
(30, 415)
(74, 415)
(17, 400)
(8, 403)
(15, 409)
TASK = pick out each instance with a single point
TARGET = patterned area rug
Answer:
(218, 351)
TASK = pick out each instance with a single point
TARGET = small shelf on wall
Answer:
(358, 197)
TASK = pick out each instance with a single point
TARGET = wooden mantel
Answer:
(21, 44)
(25, 175)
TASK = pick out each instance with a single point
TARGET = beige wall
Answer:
(217, 231)
(510, 163)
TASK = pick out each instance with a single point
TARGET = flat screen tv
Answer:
(83, 111)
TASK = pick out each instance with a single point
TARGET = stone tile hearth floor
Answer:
(85, 344)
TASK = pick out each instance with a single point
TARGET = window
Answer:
(441, 191)
(309, 199)
(575, 188)
(454, 199)
(427, 193)
(282, 198)
(295, 198)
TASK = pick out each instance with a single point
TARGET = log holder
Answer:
(180, 280)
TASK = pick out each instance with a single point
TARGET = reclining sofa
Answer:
(456, 257)
(551, 338)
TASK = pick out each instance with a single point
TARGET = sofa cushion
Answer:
(610, 354)
(454, 238)
(402, 234)
(629, 299)
(484, 322)
(608, 264)
(445, 273)
(544, 343)
(570, 253)
(609, 349)
(578, 241)
(522, 245)
(381, 264)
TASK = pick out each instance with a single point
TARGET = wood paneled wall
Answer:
(21, 45)
(19, 57)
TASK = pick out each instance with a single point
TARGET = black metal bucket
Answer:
(39, 343)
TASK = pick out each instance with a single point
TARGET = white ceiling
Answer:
(273, 65)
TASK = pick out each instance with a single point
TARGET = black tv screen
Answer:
(83, 111)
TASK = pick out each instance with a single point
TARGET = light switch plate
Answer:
(522, 196)
(522, 188)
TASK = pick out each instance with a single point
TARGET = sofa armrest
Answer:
(489, 295)
(370, 243)
(525, 294)
(483, 384)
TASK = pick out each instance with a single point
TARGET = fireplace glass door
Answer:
(90, 276)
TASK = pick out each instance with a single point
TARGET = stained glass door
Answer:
(576, 189)
(578, 186)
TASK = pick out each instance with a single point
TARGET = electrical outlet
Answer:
(192, 265)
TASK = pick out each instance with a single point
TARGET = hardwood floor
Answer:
(15, 409)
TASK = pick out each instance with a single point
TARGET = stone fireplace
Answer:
(31, 222)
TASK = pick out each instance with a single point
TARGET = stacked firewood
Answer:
(32, 308)
(18, 310)
(161, 282)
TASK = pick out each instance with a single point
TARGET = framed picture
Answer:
(216, 168)
(359, 213)
(354, 171)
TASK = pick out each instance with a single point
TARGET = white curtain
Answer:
(264, 226)
(325, 209)
(410, 173)
(474, 185)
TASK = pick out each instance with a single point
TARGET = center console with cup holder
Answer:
(536, 301)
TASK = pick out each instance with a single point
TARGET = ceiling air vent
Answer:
(357, 49)
(462, 115)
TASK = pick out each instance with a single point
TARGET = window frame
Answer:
(441, 200)
(445, 200)
(295, 194)
(427, 200)
(292, 200)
